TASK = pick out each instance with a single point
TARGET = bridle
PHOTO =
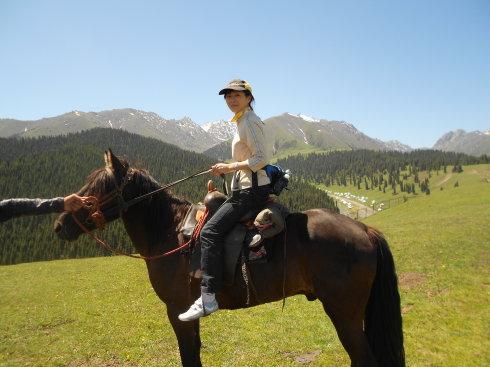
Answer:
(98, 216)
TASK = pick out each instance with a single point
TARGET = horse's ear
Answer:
(114, 164)
(211, 186)
(108, 164)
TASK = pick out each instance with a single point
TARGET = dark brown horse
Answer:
(343, 263)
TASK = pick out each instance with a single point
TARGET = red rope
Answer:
(195, 235)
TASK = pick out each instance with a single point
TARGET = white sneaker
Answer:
(256, 240)
(199, 309)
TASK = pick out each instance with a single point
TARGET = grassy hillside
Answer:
(441, 243)
(102, 311)
(373, 197)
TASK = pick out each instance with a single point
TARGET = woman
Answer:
(11, 208)
(250, 189)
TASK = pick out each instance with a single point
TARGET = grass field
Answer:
(103, 312)
(437, 181)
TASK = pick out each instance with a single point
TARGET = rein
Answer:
(123, 205)
(103, 244)
(98, 217)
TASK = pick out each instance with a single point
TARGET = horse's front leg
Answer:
(187, 336)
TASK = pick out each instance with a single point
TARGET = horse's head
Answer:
(108, 186)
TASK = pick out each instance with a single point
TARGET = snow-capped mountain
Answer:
(299, 132)
(290, 132)
(473, 143)
(304, 117)
(221, 130)
(184, 132)
(396, 145)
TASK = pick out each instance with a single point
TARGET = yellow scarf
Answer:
(239, 115)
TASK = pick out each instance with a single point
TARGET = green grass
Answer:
(103, 312)
(441, 243)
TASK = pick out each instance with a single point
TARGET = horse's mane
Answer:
(147, 183)
(98, 182)
(162, 210)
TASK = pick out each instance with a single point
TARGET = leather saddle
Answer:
(270, 220)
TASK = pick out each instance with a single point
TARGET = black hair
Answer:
(252, 101)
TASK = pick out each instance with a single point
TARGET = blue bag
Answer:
(278, 177)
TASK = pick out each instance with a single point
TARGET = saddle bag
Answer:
(278, 177)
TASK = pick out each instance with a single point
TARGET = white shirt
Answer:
(249, 144)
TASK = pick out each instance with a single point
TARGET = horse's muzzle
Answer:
(62, 226)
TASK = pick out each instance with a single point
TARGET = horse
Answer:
(326, 256)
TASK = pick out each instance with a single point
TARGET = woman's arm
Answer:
(220, 168)
(255, 137)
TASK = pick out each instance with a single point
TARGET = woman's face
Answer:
(237, 100)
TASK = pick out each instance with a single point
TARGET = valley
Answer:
(441, 246)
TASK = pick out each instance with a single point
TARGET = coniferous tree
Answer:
(56, 166)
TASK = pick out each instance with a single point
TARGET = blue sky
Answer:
(405, 70)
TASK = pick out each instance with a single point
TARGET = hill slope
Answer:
(99, 312)
(184, 132)
(441, 244)
(290, 134)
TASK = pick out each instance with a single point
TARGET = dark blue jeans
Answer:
(214, 232)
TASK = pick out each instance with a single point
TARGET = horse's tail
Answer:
(383, 319)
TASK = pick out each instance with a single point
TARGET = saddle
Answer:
(269, 221)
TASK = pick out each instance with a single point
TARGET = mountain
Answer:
(397, 146)
(474, 143)
(221, 130)
(184, 132)
(290, 134)
(302, 131)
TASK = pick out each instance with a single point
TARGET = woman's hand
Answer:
(74, 202)
(220, 168)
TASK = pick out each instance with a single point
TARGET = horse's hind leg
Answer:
(343, 285)
(349, 326)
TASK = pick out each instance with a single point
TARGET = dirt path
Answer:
(444, 180)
